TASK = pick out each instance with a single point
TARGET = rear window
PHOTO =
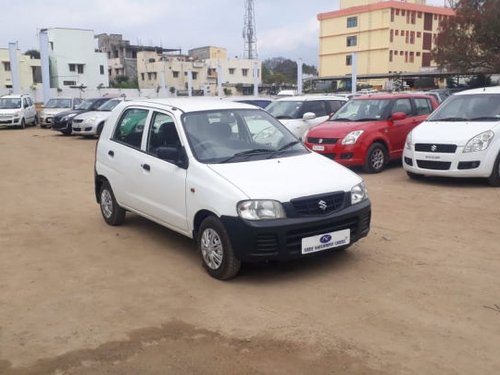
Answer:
(130, 127)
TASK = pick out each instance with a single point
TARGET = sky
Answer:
(285, 28)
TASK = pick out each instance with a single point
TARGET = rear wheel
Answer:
(216, 251)
(112, 213)
(494, 179)
(376, 158)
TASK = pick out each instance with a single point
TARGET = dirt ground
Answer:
(419, 295)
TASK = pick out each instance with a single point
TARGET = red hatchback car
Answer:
(370, 130)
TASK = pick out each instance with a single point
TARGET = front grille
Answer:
(330, 156)
(408, 161)
(322, 141)
(433, 147)
(77, 121)
(77, 129)
(266, 244)
(319, 204)
(436, 165)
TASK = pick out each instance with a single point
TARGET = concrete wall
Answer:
(25, 68)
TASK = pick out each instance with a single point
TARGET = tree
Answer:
(469, 41)
(281, 70)
(33, 53)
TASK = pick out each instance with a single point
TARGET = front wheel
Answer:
(494, 179)
(216, 251)
(23, 124)
(376, 158)
(112, 213)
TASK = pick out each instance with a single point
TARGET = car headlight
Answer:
(352, 137)
(359, 193)
(69, 117)
(260, 210)
(90, 120)
(408, 141)
(17, 114)
(480, 142)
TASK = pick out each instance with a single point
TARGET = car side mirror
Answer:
(174, 155)
(398, 116)
(309, 116)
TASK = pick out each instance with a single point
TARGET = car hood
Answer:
(99, 115)
(458, 133)
(286, 178)
(65, 113)
(339, 129)
(53, 111)
(9, 112)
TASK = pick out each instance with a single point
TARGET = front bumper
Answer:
(10, 121)
(281, 239)
(347, 155)
(62, 126)
(82, 128)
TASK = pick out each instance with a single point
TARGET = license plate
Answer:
(318, 148)
(326, 241)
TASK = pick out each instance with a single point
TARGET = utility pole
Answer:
(249, 32)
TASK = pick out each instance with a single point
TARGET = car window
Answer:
(334, 105)
(402, 105)
(10, 103)
(130, 127)
(362, 110)
(25, 103)
(30, 103)
(469, 107)
(76, 102)
(162, 133)
(318, 107)
(422, 106)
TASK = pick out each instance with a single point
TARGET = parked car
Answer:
(300, 113)
(461, 139)
(63, 120)
(17, 111)
(228, 175)
(55, 106)
(91, 123)
(258, 101)
(370, 130)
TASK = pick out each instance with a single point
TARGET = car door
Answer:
(162, 184)
(398, 129)
(29, 110)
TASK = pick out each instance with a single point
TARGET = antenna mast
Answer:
(249, 32)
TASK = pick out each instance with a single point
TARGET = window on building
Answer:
(352, 21)
(435, 17)
(72, 67)
(406, 56)
(419, 14)
(403, 12)
(351, 41)
(392, 15)
(231, 70)
(390, 56)
(175, 74)
(51, 45)
(419, 34)
(412, 57)
(397, 12)
(391, 35)
(79, 68)
(6, 66)
(348, 60)
(427, 41)
(244, 72)
(412, 37)
(413, 17)
(142, 76)
(101, 69)
(426, 59)
(408, 17)
(397, 32)
(194, 75)
(418, 54)
(407, 37)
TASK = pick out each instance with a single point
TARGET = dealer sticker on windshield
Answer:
(326, 241)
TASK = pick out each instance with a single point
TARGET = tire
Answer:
(36, 121)
(415, 176)
(494, 179)
(112, 213)
(99, 129)
(23, 124)
(376, 158)
(216, 252)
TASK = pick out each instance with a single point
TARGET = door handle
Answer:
(146, 167)
(111, 153)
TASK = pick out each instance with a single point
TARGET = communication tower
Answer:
(249, 32)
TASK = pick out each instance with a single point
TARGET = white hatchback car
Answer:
(301, 113)
(90, 123)
(55, 106)
(460, 139)
(230, 176)
(17, 111)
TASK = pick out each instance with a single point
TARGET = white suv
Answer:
(301, 113)
(228, 175)
(460, 139)
(17, 111)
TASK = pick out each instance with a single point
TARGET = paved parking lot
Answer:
(419, 295)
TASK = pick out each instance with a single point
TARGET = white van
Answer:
(231, 177)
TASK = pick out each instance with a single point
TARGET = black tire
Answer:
(36, 121)
(23, 124)
(217, 255)
(112, 213)
(494, 179)
(415, 176)
(99, 129)
(376, 158)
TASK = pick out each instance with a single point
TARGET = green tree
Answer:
(33, 53)
(283, 71)
(469, 41)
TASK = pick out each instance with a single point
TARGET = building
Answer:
(157, 70)
(28, 67)
(385, 36)
(74, 60)
(122, 56)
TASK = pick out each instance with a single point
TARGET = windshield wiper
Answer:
(367, 119)
(283, 117)
(485, 118)
(283, 148)
(248, 153)
(340, 119)
(450, 119)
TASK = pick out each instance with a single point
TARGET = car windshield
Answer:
(285, 109)
(473, 107)
(362, 110)
(109, 105)
(237, 135)
(58, 103)
(86, 104)
(10, 103)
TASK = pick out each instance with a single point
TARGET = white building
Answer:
(157, 71)
(74, 60)
(28, 68)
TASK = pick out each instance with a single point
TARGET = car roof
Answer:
(193, 104)
(484, 90)
(305, 98)
(391, 96)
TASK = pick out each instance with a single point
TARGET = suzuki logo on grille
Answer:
(320, 140)
(434, 148)
(322, 205)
